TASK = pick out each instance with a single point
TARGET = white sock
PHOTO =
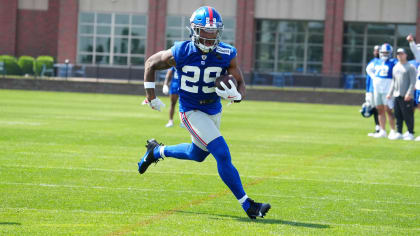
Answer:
(162, 151)
(243, 199)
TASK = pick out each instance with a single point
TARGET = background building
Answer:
(112, 38)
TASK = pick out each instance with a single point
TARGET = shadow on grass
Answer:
(260, 221)
(10, 223)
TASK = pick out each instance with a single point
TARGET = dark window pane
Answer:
(169, 43)
(266, 25)
(122, 19)
(265, 52)
(353, 40)
(289, 67)
(291, 38)
(86, 17)
(354, 28)
(100, 59)
(121, 30)
(137, 46)
(174, 33)
(85, 44)
(229, 23)
(103, 44)
(118, 60)
(138, 61)
(174, 21)
(384, 29)
(138, 31)
(103, 18)
(228, 35)
(316, 38)
(316, 27)
(103, 30)
(291, 26)
(353, 54)
(404, 30)
(138, 20)
(121, 45)
(378, 40)
(266, 37)
(86, 29)
(85, 59)
(290, 52)
(315, 53)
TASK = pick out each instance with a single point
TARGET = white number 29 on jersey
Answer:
(195, 70)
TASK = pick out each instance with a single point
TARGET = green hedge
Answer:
(48, 61)
(26, 64)
(11, 65)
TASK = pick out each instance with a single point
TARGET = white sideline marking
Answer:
(211, 174)
(203, 192)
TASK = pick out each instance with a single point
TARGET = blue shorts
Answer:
(174, 86)
(416, 97)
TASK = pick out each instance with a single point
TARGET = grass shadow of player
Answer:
(10, 223)
(260, 221)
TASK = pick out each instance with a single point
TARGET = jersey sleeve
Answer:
(415, 51)
(178, 50)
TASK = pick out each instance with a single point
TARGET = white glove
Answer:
(165, 89)
(155, 104)
(231, 94)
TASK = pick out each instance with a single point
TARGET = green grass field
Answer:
(68, 166)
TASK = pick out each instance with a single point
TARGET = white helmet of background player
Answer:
(385, 52)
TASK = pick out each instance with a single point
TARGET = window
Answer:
(289, 46)
(112, 39)
(176, 30)
(360, 38)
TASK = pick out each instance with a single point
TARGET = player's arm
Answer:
(413, 47)
(237, 73)
(167, 82)
(370, 70)
(159, 61)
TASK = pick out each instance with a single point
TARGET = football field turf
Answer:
(68, 165)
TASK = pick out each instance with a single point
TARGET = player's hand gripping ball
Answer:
(226, 88)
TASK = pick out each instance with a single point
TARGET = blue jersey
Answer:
(197, 72)
(383, 69)
(369, 82)
(174, 87)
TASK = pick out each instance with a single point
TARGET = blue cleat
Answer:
(257, 209)
(148, 158)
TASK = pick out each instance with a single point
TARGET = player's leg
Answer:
(380, 106)
(205, 132)
(174, 98)
(382, 122)
(399, 118)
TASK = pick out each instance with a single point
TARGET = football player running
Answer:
(198, 63)
(381, 73)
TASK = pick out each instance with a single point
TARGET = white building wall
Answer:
(33, 4)
(121, 6)
(290, 9)
(187, 7)
(395, 11)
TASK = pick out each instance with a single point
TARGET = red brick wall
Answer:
(333, 37)
(156, 26)
(37, 31)
(8, 17)
(245, 34)
(418, 23)
(67, 31)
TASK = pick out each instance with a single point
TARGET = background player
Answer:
(171, 86)
(198, 63)
(381, 73)
(416, 52)
(369, 92)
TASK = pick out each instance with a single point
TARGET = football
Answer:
(225, 79)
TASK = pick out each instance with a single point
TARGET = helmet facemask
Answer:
(206, 38)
